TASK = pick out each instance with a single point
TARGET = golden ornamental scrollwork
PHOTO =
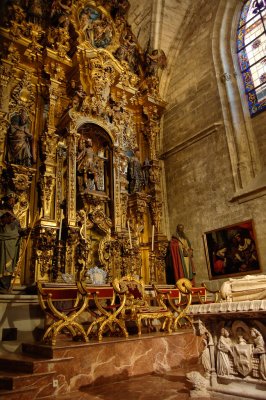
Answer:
(4, 123)
(77, 251)
(154, 173)
(85, 224)
(43, 250)
(123, 210)
(58, 39)
(22, 95)
(21, 209)
(156, 212)
(34, 48)
(55, 70)
(49, 144)
(18, 178)
(60, 195)
(128, 129)
(105, 253)
(99, 218)
(138, 206)
(160, 254)
(47, 185)
(6, 72)
(15, 21)
(128, 78)
(21, 182)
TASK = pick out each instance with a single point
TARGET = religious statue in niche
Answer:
(10, 239)
(96, 27)
(135, 173)
(87, 174)
(19, 140)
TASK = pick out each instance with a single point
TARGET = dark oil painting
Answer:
(231, 251)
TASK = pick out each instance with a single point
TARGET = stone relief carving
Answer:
(233, 353)
(224, 349)
(207, 342)
(239, 350)
(259, 350)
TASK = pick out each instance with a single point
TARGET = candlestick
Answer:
(129, 234)
(61, 222)
(152, 239)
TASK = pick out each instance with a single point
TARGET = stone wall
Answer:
(198, 172)
(156, 23)
(259, 123)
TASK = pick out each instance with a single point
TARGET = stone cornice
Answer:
(191, 140)
(248, 306)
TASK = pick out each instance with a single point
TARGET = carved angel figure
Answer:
(156, 61)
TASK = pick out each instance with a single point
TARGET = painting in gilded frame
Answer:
(231, 251)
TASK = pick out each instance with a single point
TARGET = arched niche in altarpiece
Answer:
(94, 168)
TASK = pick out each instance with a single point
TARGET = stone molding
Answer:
(192, 140)
(228, 307)
(255, 189)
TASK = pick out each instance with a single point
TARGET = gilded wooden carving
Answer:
(80, 114)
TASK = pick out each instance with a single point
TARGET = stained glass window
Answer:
(251, 49)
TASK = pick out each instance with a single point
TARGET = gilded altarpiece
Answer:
(80, 123)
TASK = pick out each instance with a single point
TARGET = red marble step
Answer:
(7, 364)
(27, 364)
(22, 394)
(15, 381)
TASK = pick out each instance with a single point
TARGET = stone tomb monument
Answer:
(233, 336)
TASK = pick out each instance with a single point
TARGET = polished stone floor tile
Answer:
(172, 385)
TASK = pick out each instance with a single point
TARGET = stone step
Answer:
(28, 363)
(21, 394)
(15, 381)
(21, 363)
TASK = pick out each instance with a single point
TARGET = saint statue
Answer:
(179, 257)
(86, 166)
(19, 140)
(10, 237)
(135, 174)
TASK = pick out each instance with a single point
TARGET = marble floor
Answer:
(172, 385)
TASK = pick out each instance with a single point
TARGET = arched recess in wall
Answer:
(247, 170)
